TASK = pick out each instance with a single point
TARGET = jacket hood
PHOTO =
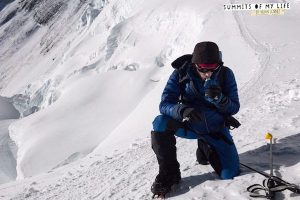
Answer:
(176, 64)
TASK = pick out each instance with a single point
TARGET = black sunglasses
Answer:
(205, 70)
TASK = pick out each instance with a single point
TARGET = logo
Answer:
(260, 8)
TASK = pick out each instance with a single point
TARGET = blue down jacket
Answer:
(193, 96)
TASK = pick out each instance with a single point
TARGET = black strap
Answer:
(222, 76)
(270, 186)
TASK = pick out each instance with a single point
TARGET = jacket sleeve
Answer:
(169, 104)
(231, 103)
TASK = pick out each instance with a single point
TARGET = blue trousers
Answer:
(221, 144)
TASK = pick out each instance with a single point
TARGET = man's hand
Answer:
(190, 114)
(213, 92)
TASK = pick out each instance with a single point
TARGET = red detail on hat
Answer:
(208, 66)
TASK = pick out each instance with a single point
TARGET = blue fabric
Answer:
(193, 92)
(160, 125)
(227, 153)
(187, 134)
(209, 83)
(214, 113)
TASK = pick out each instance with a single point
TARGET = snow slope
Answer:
(96, 55)
(100, 86)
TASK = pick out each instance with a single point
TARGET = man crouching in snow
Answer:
(199, 96)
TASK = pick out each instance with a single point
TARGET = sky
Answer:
(81, 81)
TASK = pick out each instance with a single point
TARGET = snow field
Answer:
(99, 89)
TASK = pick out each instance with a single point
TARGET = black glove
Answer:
(214, 95)
(190, 114)
(213, 92)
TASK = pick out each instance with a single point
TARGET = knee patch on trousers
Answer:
(164, 123)
(160, 123)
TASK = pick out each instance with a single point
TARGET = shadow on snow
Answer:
(286, 153)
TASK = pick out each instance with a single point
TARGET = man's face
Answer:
(206, 70)
(205, 76)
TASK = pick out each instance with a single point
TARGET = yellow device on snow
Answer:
(268, 136)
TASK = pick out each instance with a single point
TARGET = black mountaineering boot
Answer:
(163, 183)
